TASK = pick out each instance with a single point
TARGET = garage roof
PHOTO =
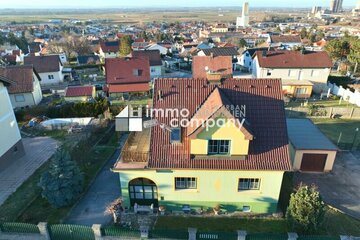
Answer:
(304, 135)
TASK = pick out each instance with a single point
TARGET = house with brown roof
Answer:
(26, 90)
(11, 146)
(211, 143)
(80, 93)
(108, 49)
(222, 51)
(284, 41)
(48, 67)
(208, 67)
(154, 58)
(301, 71)
(126, 76)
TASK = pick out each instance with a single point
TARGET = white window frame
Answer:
(185, 183)
(245, 184)
(51, 77)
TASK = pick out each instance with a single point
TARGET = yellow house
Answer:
(79, 93)
(227, 146)
(298, 89)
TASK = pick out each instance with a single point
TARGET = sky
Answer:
(162, 3)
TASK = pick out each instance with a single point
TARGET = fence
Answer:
(346, 94)
(328, 112)
(43, 231)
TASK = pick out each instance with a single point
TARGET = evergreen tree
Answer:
(306, 209)
(125, 45)
(63, 182)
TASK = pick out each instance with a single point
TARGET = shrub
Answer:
(306, 209)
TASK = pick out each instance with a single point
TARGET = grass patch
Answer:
(333, 127)
(335, 224)
(27, 205)
(222, 224)
(324, 103)
(131, 102)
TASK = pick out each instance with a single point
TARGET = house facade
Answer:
(199, 166)
(154, 58)
(108, 49)
(222, 51)
(48, 67)
(26, 91)
(11, 146)
(296, 68)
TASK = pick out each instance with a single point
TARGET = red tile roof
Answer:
(79, 91)
(221, 64)
(294, 59)
(122, 70)
(265, 113)
(22, 76)
(122, 88)
(285, 39)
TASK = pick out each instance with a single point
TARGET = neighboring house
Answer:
(219, 28)
(310, 149)
(195, 166)
(139, 45)
(284, 41)
(154, 58)
(108, 49)
(206, 67)
(34, 49)
(88, 60)
(225, 51)
(11, 146)
(246, 58)
(163, 50)
(127, 75)
(295, 67)
(80, 93)
(26, 90)
(48, 67)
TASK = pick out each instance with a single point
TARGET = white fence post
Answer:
(241, 235)
(97, 231)
(44, 231)
(192, 233)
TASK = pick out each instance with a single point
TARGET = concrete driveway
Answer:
(105, 189)
(341, 187)
(37, 151)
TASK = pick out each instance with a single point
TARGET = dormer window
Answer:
(136, 72)
(175, 135)
(219, 147)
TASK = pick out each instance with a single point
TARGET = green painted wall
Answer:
(213, 187)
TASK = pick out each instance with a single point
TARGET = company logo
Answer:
(134, 119)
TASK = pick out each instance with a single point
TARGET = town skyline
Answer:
(21, 4)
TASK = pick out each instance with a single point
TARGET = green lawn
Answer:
(325, 103)
(334, 224)
(27, 205)
(333, 127)
(132, 102)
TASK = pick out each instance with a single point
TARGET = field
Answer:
(134, 16)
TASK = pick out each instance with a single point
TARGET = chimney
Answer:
(160, 96)
(212, 55)
(264, 53)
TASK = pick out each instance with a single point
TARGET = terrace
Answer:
(135, 152)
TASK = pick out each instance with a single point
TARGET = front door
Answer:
(143, 191)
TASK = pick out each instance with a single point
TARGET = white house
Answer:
(294, 66)
(154, 61)
(245, 60)
(109, 49)
(11, 146)
(26, 91)
(48, 67)
(163, 50)
(284, 41)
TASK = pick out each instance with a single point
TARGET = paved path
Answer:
(105, 189)
(340, 188)
(37, 151)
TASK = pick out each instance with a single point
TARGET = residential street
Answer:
(106, 188)
(340, 188)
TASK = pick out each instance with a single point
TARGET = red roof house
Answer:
(125, 75)
(205, 65)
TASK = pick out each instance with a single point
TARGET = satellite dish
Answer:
(206, 68)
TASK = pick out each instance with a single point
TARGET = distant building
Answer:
(315, 9)
(356, 10)
(243, 21)
(336, 5)
(205, 67)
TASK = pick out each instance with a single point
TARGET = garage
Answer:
(310, 150)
